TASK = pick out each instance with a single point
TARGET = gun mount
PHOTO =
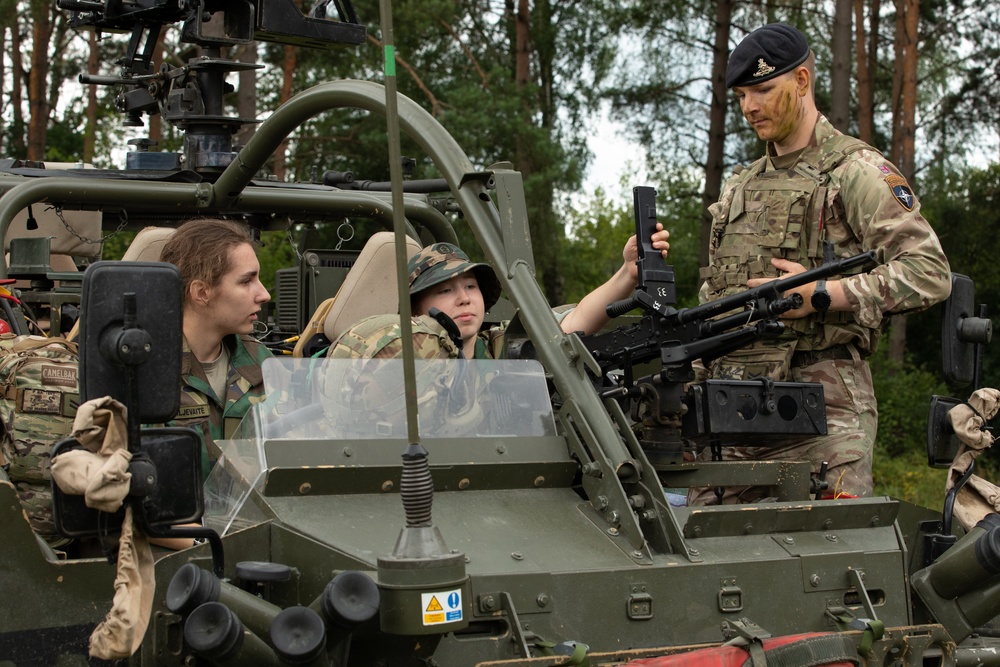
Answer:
(191, 96)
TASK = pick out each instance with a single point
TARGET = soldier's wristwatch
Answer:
(821, 298)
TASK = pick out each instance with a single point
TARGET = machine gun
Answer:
(678, 337)
(191, 96)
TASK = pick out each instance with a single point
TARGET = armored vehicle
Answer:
(345, 526)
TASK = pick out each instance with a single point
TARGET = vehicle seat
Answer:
(145, 247)
(148, 244)
(369, 289)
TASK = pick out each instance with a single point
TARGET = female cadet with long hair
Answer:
(221, 363)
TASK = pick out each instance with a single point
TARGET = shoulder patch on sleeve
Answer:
(901, 191)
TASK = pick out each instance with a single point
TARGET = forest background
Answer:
(530, 81)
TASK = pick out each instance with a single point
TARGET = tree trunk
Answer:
(287, 81)
(90, 130)
(840, 79)
(717, 122)
(18, 148)
(867, 53)
(904, 106)
(38, 100)
(3, 73)
(156, 120)
(522, 45)
(246, 95)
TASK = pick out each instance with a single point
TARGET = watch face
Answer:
(821, 300)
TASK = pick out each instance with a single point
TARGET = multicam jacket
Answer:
(380, 337)
(200, 409)
(842, 191)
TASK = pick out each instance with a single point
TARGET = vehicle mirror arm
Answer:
(200, 534)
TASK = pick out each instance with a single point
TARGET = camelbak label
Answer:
(444, 607)
(64, 376)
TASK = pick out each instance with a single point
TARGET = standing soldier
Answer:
(816, 192)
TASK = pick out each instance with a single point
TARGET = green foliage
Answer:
(599, 226)
(908, 477)
(900, 464)
(903, 393)
(276, 252)
(962, 204)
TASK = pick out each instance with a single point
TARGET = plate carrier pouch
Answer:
(39, 396)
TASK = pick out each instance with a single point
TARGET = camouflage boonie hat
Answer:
(438, 262)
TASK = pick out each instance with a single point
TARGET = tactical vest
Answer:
(39, 396)
(771, 214)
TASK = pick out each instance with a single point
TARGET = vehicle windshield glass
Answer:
(326, 399)
(347, 400)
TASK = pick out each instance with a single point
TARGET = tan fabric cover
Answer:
(85, 223)
(100, 473)
(370, 286)
(978, 497)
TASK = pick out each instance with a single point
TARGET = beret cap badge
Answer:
(763, 69)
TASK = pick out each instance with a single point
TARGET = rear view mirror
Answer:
(147, 339)
(130, 349)
(174, 494)
(963, 334)
(942, 443)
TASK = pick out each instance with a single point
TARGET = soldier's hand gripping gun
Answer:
(677, 337)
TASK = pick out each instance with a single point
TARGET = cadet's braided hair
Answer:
(201, 249)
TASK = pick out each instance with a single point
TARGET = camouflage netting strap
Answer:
(577, 654)
(380, 337)
(812, 652)
(39, 395)
(978, 497)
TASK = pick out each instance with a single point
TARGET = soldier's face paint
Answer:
(237, 299)
(773, 108)
(460, 299)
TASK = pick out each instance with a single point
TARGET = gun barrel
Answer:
(774, 288)
(99, 80)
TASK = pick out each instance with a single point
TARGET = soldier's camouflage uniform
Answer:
(376, 393)
(843, 191)
(39, 396)
(380, 337)
(201, 409)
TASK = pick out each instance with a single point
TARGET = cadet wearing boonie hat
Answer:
(439, 262)
(442, 262)
(814, 188)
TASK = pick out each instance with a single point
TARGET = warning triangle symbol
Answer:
(434, 605)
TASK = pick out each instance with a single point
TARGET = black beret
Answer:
(765, 53)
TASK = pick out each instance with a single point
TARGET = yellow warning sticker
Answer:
(442, 607)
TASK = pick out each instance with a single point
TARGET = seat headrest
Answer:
(148, 244)
(370, 286)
